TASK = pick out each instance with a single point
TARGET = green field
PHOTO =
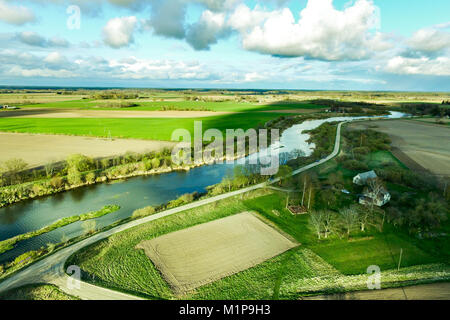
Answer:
(138, 128)
(226, 106)
(36, 292)
(116, 264)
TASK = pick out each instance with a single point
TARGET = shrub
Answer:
(143, 212)
(355, 165)
(74, 176)
(90, 177)
(57, 182)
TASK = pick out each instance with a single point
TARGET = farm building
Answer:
(361, 178)
(379, 200)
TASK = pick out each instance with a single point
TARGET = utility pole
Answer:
(304, 189)
(400, 260)
(287, 200)
(309, 200)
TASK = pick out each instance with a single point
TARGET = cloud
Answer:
(322, 32)
(167, 18)
(419, 66)
(34, 39)
(118, 32)
(207, 31)
(430, 40)
(17, 15)
(134, 68)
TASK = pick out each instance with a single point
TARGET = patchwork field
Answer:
(205, 253)
(39, 149)
(427, 144)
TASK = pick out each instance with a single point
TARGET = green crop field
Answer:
(139, 128)
(225, 106)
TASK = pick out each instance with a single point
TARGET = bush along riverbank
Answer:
(9, 244)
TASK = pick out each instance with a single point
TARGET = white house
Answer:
(369, 197)
(379, 197)
(361, 178)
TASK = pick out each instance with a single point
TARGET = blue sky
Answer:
(297, 44)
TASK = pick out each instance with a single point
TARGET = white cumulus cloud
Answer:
(118, 32)
(322, 32)
(17, 15)
(419, 66)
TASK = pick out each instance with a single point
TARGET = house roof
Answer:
(367, 175)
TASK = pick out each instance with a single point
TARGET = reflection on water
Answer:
(131, 194)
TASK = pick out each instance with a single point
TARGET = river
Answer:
(130, 194)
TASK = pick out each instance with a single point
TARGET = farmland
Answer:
(136, 128)
(286, 276)
(198, 255)
(422, 142)
(59, 147)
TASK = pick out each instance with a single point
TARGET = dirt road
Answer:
(435, 291)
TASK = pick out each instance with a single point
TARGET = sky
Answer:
(401, 45)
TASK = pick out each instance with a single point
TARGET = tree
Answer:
(349, 218)
(74, 176)
(49, 169)
(80, 162)
(284, 174)
(316, 221)
(12, 168)
(329, 222)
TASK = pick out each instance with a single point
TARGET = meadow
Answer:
(137, 128)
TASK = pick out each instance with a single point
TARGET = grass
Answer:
(114, 262)
(36, 292)
(138, 128)
(9, 244)
(383, 250)
(225, 106)
(379, 159)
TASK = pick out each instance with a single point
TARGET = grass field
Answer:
(116, 263)
(36, 292)
(151, 129)
(228, 106)
(202, 254)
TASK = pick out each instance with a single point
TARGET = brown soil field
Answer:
(36, 98)
(69, 113)
(435, 291)
(39, 149)
(205, 253)
(425, 143)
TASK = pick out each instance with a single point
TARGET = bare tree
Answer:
(329, 222)
(49, 169)
(349, 218)
(316, 220)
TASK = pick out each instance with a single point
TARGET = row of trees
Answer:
(355, 218)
